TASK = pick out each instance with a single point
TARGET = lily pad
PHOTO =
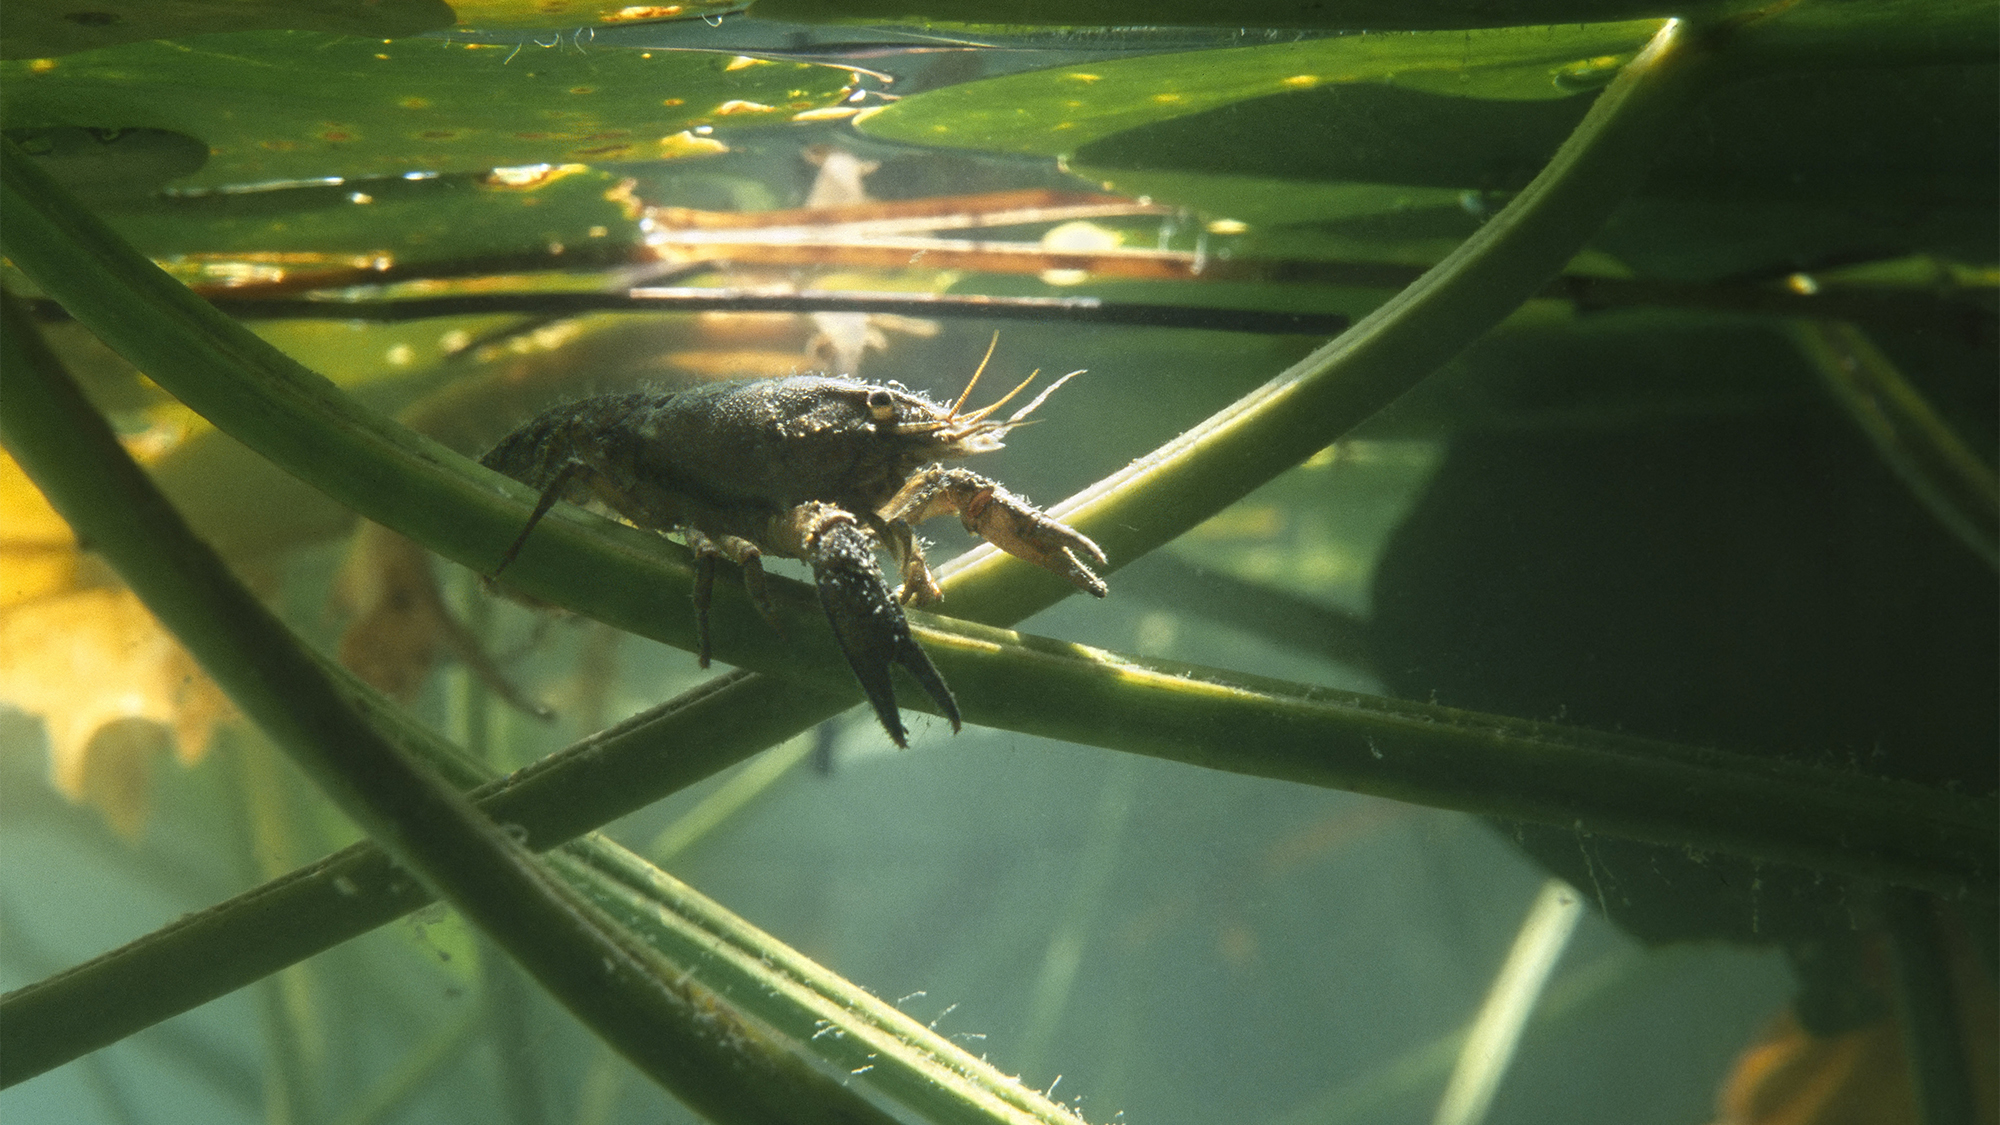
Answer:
(1796, 171)
(108, 167)
(47, 28)
(1354, 133)
(580, 13)
(569, 213)
(295, 105)
(1376, 14)
(1058, 111)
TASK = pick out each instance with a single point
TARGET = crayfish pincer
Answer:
(810, 467)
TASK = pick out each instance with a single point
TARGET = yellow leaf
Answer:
(110, 684)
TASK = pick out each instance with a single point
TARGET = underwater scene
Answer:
(569, 563)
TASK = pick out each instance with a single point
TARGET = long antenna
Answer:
(976, 373)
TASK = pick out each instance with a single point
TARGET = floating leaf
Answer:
(1361, 133)
(1393, 174)
(1057, 111)
(295, 105)
(540, 14)
(226, 238)
(112, 167)
(1798, 170)
(1385, 14)
(48, 29)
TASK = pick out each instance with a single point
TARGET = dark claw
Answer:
(871, 628)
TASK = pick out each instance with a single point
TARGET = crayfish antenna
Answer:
(976, 373)
(980, 415)
(976, 422)
(1014, 419)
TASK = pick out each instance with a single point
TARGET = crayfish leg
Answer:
(704, 589)
(744, 554)
(750, 558)
(919, 584)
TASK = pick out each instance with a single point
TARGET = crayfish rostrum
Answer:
(810, 467)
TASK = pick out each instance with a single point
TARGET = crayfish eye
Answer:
(881, 406)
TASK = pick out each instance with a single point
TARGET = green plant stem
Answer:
(1516, 769)
(1054, 982)
(1938, 468)
(849, 1026)
(290, 1089)
(666, 1026)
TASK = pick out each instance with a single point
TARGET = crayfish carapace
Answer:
(809, 467)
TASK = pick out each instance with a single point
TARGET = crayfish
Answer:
(811, 467)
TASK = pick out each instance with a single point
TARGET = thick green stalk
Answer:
(665, 1024)
(1515, 769)
(919, 1068)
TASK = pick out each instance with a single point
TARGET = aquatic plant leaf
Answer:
(298, 105)
(80, 652)
(31, 31)
(1058, 111)
(46, 30)
(540, 14)
(567, 213)
(1358, 133)
(1882, 34)
(1342, 14)
(112, 167)
(1821, 167)
(1390, 175)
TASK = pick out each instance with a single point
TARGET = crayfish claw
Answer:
(1021, 530)
(1066, 564)
(869, 625)
(1003, 519)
